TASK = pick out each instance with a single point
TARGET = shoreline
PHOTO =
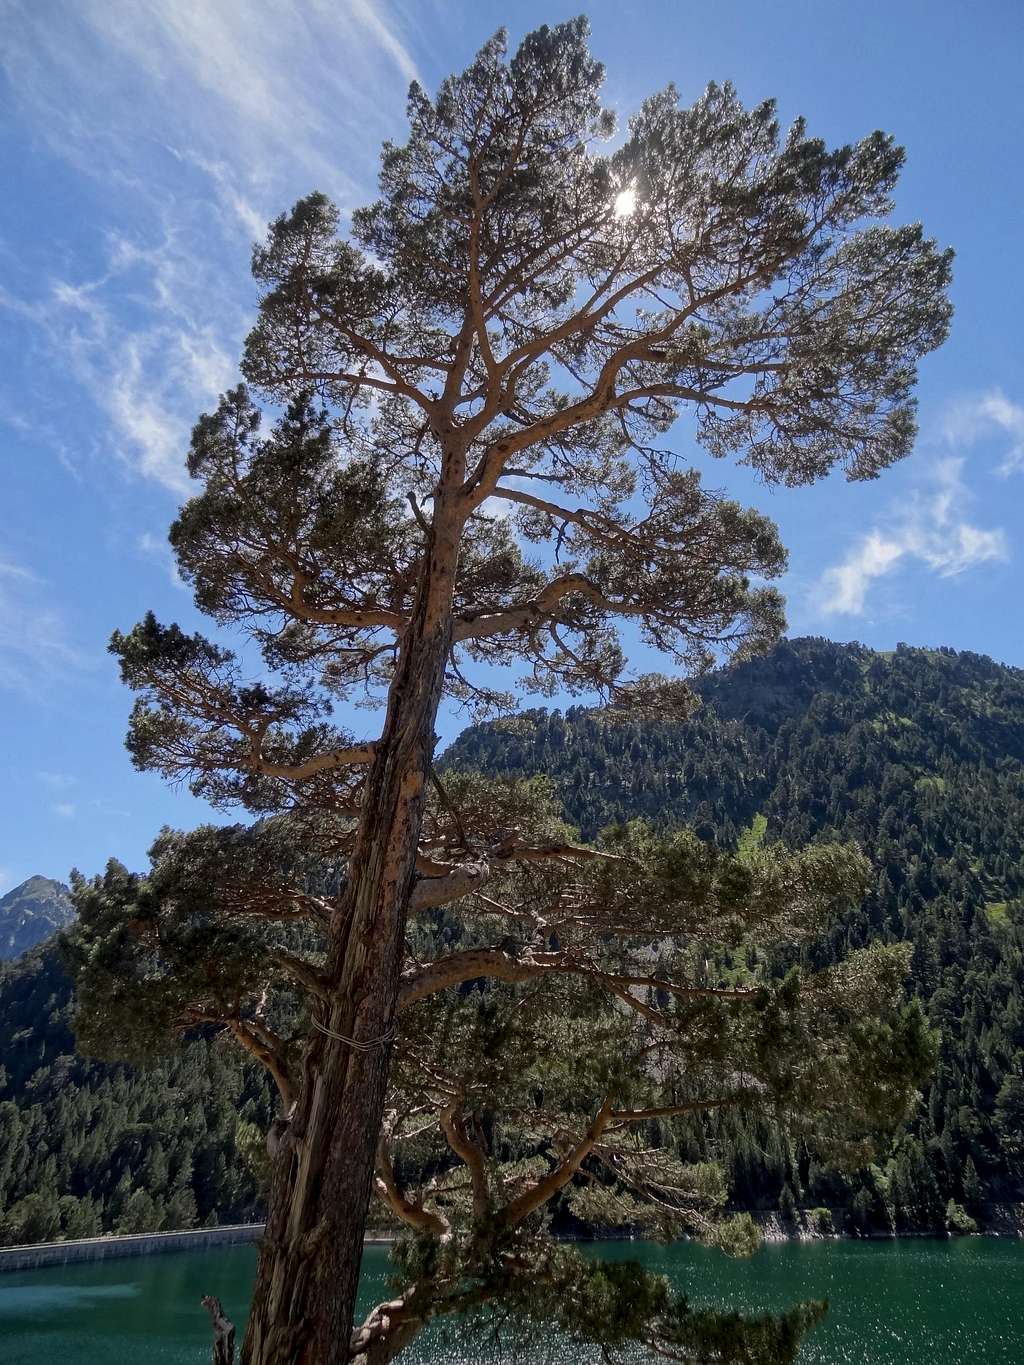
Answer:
(40, 1255)
(997, 1220)
(1002, 1221)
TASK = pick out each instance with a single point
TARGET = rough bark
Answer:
(388, 1329)
(309, 1263)
(223, 1331)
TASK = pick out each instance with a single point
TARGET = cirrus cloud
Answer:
(971, 419)
(37, 648)
(930, 529)
(195, 124)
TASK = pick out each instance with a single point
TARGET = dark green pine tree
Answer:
(974, 1191)
(551, 1031)
(490, 361)
(69, 1126)
(941, 734)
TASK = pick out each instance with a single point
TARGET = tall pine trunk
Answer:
(309, 1264)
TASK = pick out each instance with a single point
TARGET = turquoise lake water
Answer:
(892, 1303)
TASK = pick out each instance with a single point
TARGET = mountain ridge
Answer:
(916, 755)
(32, 912)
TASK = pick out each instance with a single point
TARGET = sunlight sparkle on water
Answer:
(892, 1303)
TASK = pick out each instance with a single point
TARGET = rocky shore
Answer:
(816, 1225)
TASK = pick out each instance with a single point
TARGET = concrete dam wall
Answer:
(139, 1244)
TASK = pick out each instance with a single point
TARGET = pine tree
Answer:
(79, 1217)
(543, 1068)
(140, 1214)
(512, 327)
(787, 1205)
(974, 1190)
(35, 1218)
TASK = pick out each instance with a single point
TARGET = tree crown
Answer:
(496, 352)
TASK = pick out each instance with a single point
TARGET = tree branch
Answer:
(480, 625)
(459, 1141)
(462, 880)
(351, 757)
(538, 1194)
(528, 614)
(267, 1055)
(302, 972)
(413, 1215)
(668, 1111)
(498, 965)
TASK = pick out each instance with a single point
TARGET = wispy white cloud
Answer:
(200, 122)
(930, 529)
(969, 420)
(157, 549)
(251, 93)
(65, 810)
(844, 586)
(57, 781)
(18, 571)
(36, 643)
(41, 430)
(134, 339)
(148, 382)
(6, 880)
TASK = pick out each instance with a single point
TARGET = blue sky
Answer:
(144, 143)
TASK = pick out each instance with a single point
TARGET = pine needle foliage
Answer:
(449, 477)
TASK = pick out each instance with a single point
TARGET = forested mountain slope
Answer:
(919, 757)
(89, 1147)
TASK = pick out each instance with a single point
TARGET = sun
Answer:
(625, 203)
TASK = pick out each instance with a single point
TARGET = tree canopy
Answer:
(797, 746)
(538, 314)
(466, 471)
(547, 1032)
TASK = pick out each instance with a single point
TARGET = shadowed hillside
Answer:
(89, 1147)
(918, 756)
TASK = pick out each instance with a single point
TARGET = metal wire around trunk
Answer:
(353, 1043)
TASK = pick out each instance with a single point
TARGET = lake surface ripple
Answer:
(913, 1302)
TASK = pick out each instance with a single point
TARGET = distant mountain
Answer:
(88, 1147)
(916, 755)
(32, 912)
